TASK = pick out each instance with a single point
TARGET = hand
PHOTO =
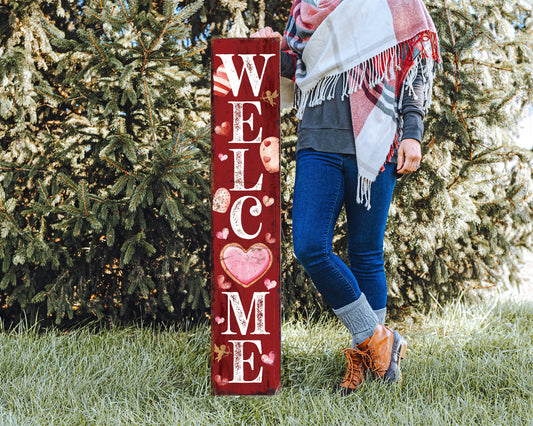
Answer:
(267, 32)
(409, 156)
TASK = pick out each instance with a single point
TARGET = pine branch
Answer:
(99, 51)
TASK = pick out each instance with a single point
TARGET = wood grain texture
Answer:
(245, 235)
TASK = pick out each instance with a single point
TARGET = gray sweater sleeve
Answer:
(413, 110)
(288, 66)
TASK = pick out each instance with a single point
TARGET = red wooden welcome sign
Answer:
(245, 185)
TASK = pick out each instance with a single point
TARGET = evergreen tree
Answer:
(451, 228)
(462, 221)
(215, 18)
(104, 190)
(104, 187)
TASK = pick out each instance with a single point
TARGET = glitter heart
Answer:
(219, 320)
(223, 235)
(269, 359)
(221, 200)
(270, 284)
(222, 157)
(268, 201)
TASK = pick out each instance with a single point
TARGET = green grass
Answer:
(466, 364)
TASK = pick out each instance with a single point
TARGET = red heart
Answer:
(222, 283)
(269, 239)
(223, 129)
(267, 143)
(266, 159)
(220, 381)
(245, 267)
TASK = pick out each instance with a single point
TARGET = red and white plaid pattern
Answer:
(374, 48)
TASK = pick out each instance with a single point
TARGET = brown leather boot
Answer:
(384, 350)
(356, 371)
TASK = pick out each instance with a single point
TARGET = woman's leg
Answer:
(323, 182)
(318, 199)
(366, 230)
(382, 351)
(317, 202)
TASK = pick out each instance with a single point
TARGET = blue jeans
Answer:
(324, 182)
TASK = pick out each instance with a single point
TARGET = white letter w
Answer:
(248, 67)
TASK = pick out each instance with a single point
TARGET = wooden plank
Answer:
(245, 235)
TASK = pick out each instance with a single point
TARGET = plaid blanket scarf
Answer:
(374, 48)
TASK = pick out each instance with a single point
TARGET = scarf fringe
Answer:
(425, 64)
(382, 67)
(364, 186)
(394, 146)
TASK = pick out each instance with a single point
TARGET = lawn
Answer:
(466, 364)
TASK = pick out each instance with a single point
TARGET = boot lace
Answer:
(371, 362)
(358, 362)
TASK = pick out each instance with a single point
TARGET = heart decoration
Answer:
(269, 153)
(221, 200)
(223, 235)
(219, 320)
(270, 284)
(222, 283)
(245, 267)
(222, 157)
(269, 239)
(223, 129)
(221, 84)
(268, 359)
(268, 201)
(220, 381)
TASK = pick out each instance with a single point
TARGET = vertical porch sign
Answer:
(245, 234)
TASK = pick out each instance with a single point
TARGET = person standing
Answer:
(363, 73)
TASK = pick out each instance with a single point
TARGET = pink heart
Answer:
(222, 283)
(220, 381)
(223, 129)
(269, 239)
(245, 266)
(223, 235)
(222, 157)
(270, 284)
(268, 201)
(269, 359)
(219, 320)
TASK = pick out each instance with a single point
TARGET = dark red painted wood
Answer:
(245, 186)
